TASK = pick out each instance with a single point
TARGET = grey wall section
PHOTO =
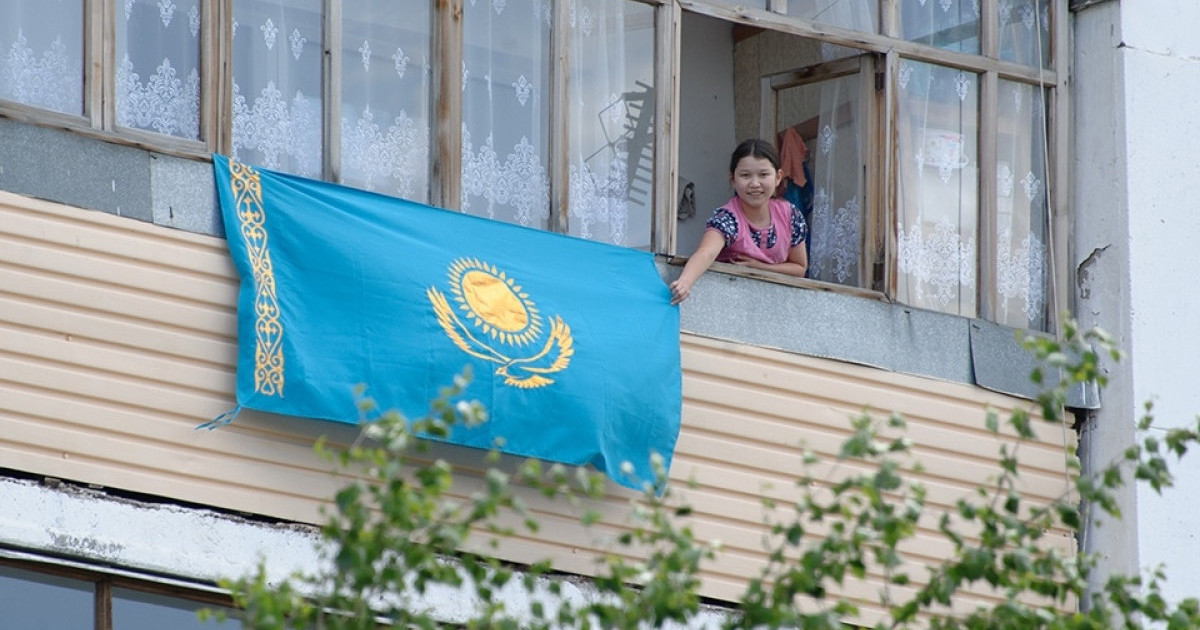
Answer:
(91, 173)
(844, 327)
(1101, 251)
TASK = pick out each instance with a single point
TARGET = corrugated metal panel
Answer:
(117, 339)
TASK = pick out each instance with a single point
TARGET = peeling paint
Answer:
(1083, 272)
(87, 547)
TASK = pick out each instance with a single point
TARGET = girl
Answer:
(752, 229)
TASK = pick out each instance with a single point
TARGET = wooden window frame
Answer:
(890, 46)
(103, 584)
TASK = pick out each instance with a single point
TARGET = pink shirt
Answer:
(743, 244)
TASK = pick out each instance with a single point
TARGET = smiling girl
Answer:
(753, 228)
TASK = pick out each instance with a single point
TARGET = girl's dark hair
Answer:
(754, 147)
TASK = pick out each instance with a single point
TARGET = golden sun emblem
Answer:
(495, 311)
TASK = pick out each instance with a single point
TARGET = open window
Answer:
(819, 117)
(926, 153)
(817, 103)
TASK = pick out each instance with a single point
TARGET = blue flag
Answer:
(573, 344)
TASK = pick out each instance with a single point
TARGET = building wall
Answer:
(119, 341)
(1137, 73)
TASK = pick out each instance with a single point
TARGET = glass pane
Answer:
(820, 144)
(36, 601)
(612, 122)
(135, 610)
(386, 96)
(158, 70)
(277, 109)
(860, 15)
(41, 54)
(1021, 221)
(948, 24)
(937, 153)
(1025, 32)
(506, 116)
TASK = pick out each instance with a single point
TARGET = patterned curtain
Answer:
(41, 54)
(946, 24)
(936, 228)
(158, 75)
(277, 108)
(1021, 222)
(385, 97)
(611, 121)
(835, 223)
(505, 129)
(1025, 31)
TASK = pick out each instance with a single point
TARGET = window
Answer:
(927, 154)
(927, 125)
(46, 596)
(158, 67)
(346, 90)
(42, 54)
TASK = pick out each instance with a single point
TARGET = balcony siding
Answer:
(117, 338)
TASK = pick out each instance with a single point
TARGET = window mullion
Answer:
(987, 284)
(1059, 164)
(99, 77)
(889, 18)
(221, 30)
(889, 148)
(873, 145)
(446, 177)
(559, 163)
(103, 604)
(666, 160)
(210, 42)
(989, 34)
(331, 75)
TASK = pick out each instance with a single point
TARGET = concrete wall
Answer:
(1161, 58)
(1137, 181)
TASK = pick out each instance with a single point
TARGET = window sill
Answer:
(145, 140)
(784, 279)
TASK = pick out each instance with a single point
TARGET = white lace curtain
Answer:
(1022, 263)
(1024, 31)
(835, 223)
(385, 99)
(611, 138)
(158, 60)
(277, 109)
(505, 128)
(41, 53)
(947, 24)
(938, 187)
(506, 112)
(937, 232)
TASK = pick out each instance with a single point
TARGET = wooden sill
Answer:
(781, 278)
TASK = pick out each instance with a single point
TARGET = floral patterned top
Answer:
(724, 222)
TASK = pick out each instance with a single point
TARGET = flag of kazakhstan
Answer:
(574, 345)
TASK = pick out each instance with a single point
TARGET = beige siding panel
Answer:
(117, 338)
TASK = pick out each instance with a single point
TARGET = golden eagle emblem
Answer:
(495, 318)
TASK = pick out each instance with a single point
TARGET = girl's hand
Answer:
(680, 290)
